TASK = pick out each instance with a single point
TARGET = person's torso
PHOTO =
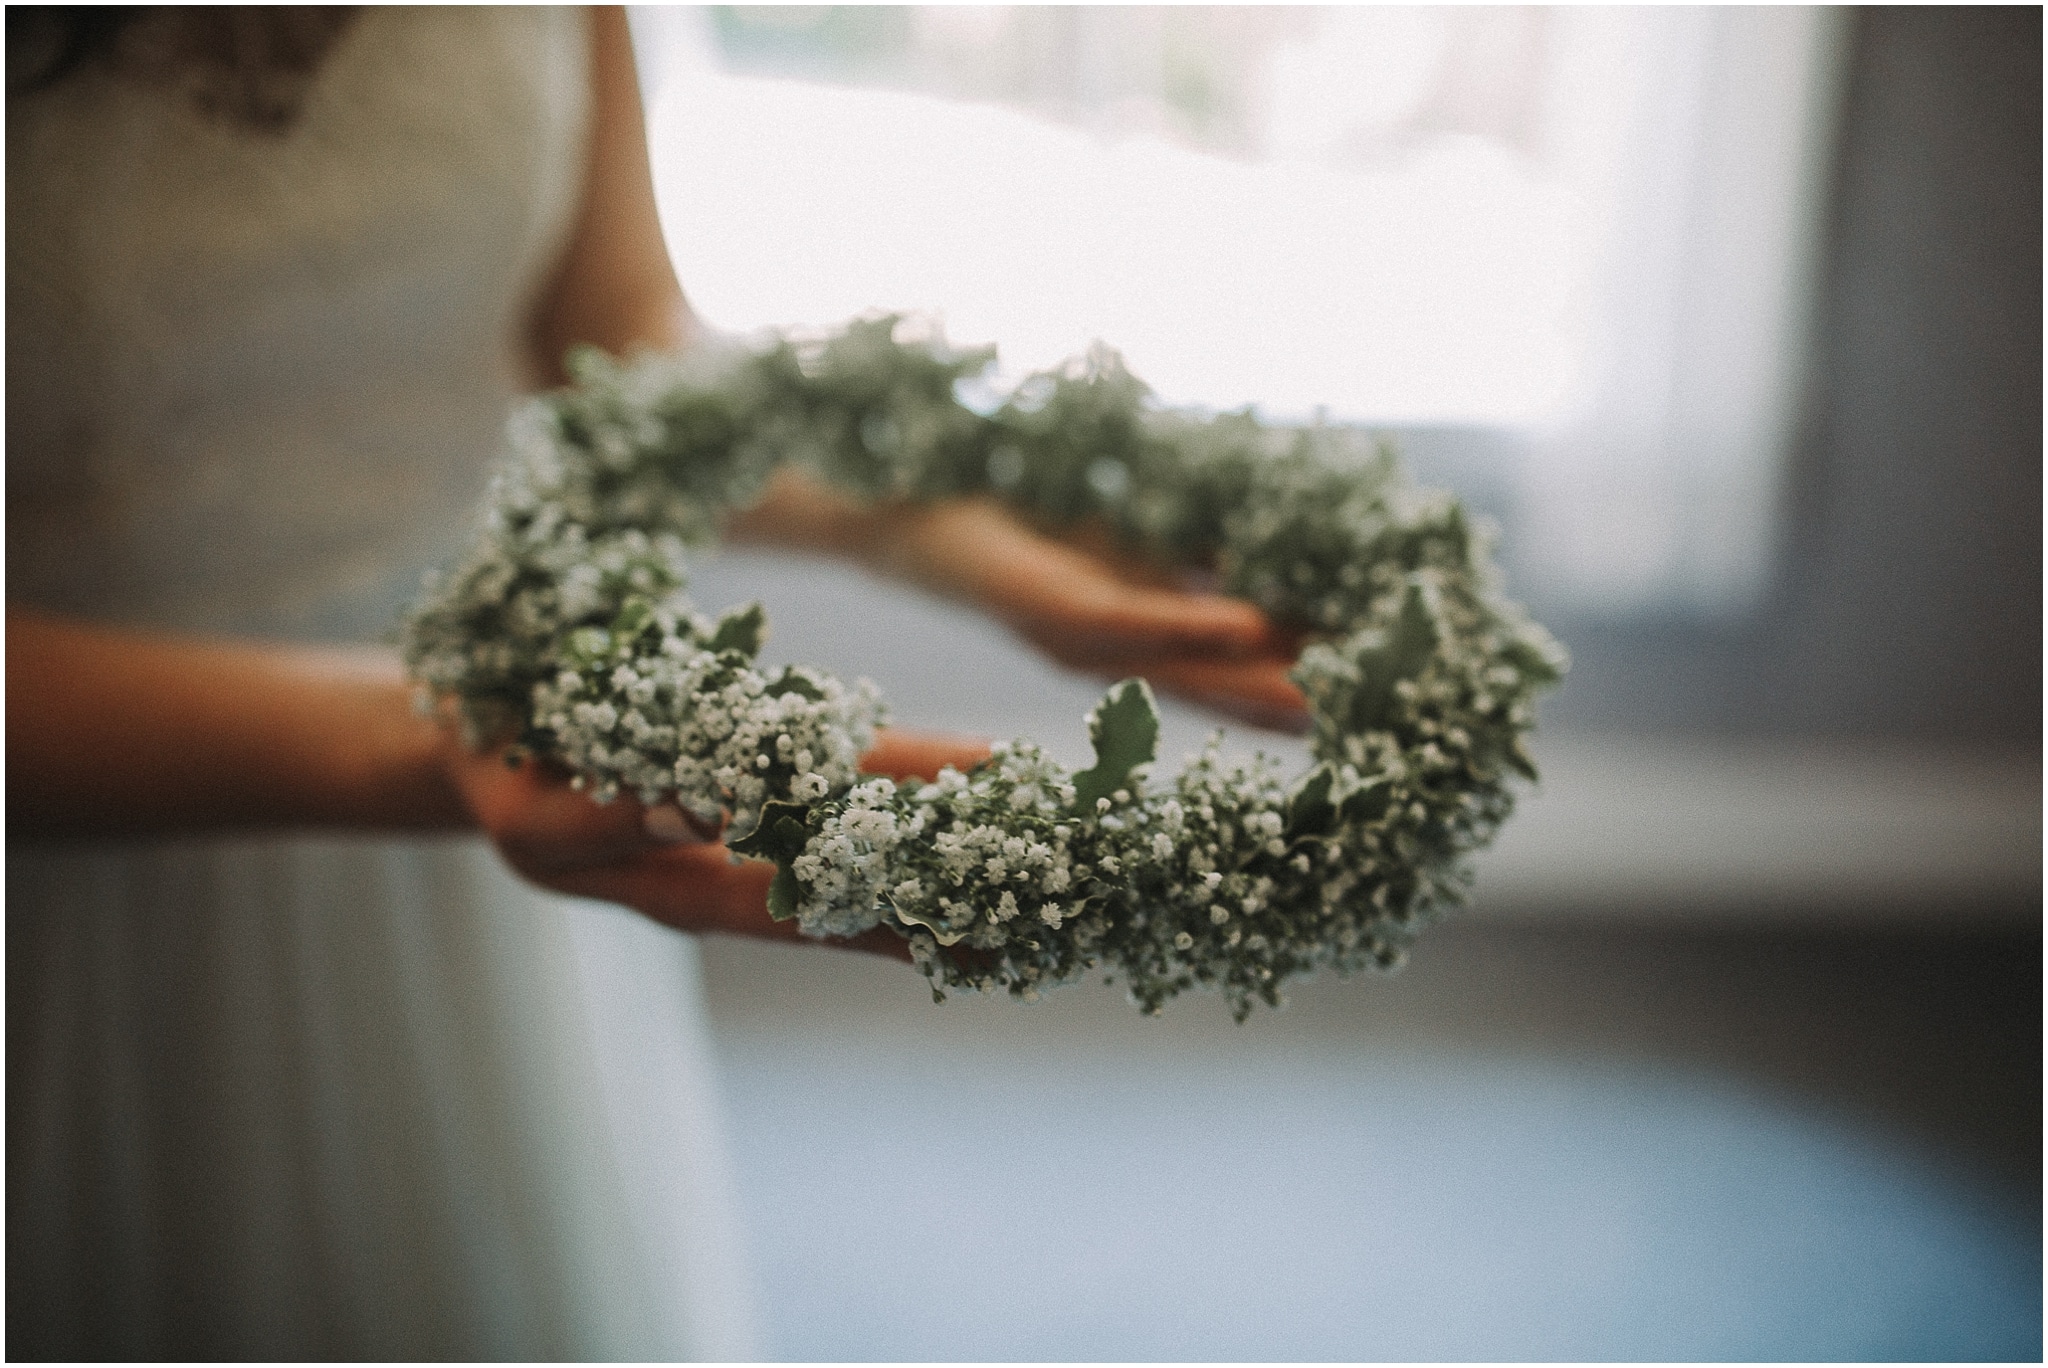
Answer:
(253, 379)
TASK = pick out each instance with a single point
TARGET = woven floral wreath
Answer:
(565, 625)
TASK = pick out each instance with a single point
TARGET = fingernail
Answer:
(668, 825)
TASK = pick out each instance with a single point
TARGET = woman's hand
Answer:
(1080, 600)
(221, 736)
(659, 861)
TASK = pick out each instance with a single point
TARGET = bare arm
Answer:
(114, 732)
(614, 288)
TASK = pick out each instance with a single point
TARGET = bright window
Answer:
(1584, 230)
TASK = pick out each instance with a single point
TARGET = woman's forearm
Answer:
(112, 732)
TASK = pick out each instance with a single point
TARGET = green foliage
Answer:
(1124, 729)
(780, 836)
(1311, 811)
(740, 629)
(1398, 653)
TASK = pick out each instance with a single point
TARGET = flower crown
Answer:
(565, 625)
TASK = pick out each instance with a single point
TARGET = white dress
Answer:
(298, 1096)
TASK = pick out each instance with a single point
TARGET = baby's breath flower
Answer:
(564, 628)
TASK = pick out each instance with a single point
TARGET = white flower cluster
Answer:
(663, 713)
(963, 858)
(565, 627)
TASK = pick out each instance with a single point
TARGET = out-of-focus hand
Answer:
(659, 861)
(1080, 600)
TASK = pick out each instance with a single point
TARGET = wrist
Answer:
(391, 766)
(798, 514)
(408, 767)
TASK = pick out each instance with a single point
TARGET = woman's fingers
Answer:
(1094, 608)
(1068, 600)
(1080, 598)
(542, 825)
(692, 888)
(703, 890)
(659, 860)
(1085, 596)
(1254, 691)
(902, 754)
(669, 825)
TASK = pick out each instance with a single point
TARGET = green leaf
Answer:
(740, 629)
(1310, 812)
(1415, 634)
(780, 836)
(1367, 801)
(587, 646)
(1458, 533)
(633, 617)
(1407, 648)
(944, 935)
(784, 893)
(792, 682)
(1537, 666)
(1125, 731)
(629, 626)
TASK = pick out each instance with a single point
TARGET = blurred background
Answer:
(1731, 319)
